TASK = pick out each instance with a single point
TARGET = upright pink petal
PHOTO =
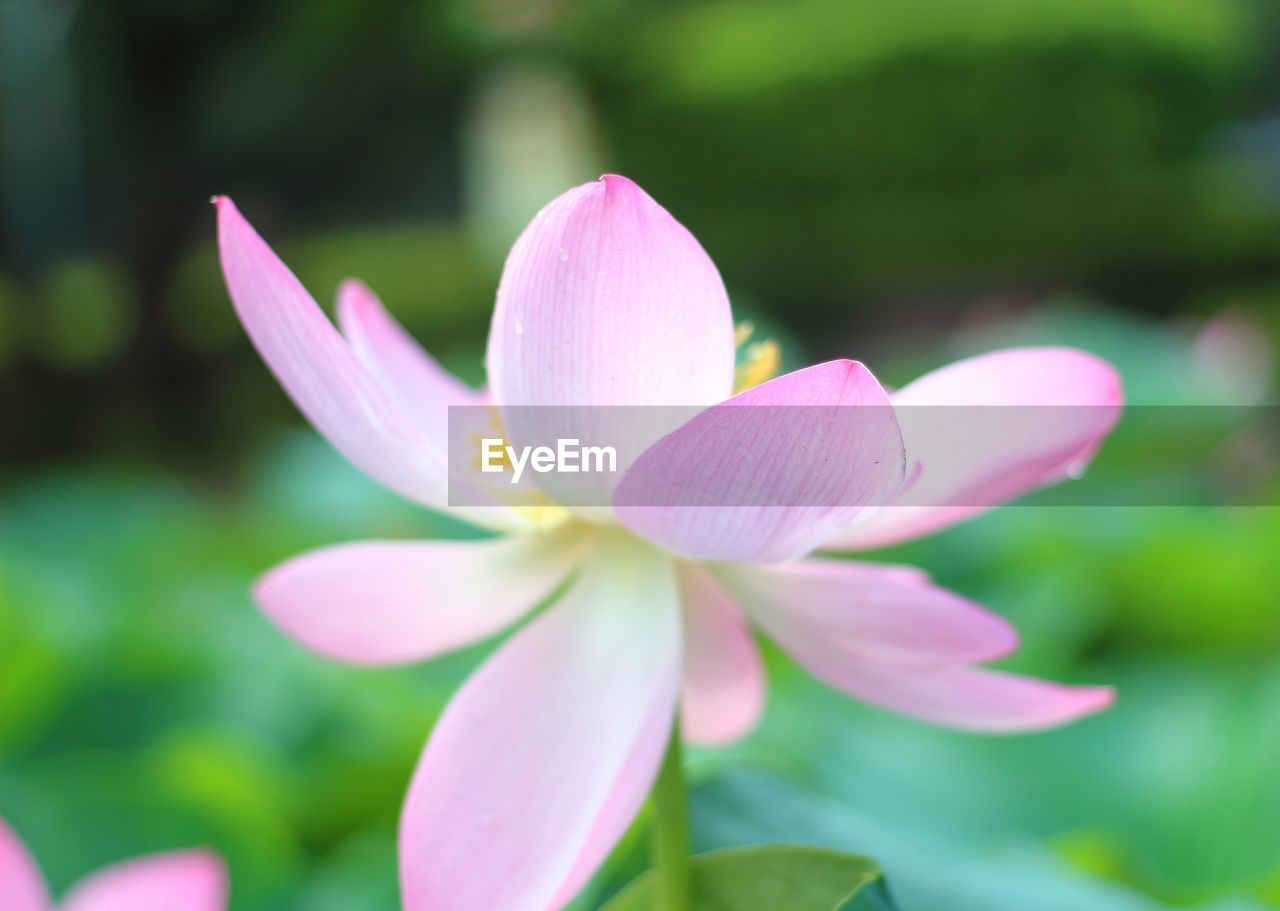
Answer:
(723, 686)
(416, 382)
(987, 429)
(180, 881)
(842, 613)
(544, 756)
(22, 888)
(770, 473)
(606, 300)
(390, 602)
(965, 697)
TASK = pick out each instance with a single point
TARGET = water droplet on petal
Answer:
(563, 254)
(519, 328)
(1075, 471)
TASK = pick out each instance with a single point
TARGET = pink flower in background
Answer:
(178, 881)
(546, 753)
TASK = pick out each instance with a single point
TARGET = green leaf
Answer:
(773, 878)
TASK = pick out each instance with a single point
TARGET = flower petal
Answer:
(319, 371)
(723, 686)
(839, 613)
(606, 300)
(544, 756)
(966, 697)
(179, 881)
(326, 380)
(987, 429)
(416, 382)
(391, 602)
(768, 474)
(22, 887)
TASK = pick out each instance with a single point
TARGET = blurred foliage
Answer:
(11, 314)
(851, 165)
(772, 878)
(86, 314)
(144, 705)
(925, 144)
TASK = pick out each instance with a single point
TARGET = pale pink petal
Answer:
(319, 370)
(606, 300)
(180, 881)
(962, 696)
(841, 613)
(416, 382)
(722, 691)
(770, 473)
(987, 429)
(22, 887)
(390, 602)
(453, 417)
(545, 755)
(326, 380)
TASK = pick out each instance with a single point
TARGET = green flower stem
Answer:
(669, 832)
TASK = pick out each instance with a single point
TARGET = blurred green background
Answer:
(903, 183)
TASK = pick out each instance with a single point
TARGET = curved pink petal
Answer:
(964, 697)
(426, 392)
(418, 384)
(723, 687)
(326, 380)
(22, 887)
(770, 473)
(318, 369)
(544, 756)
(838, 613)
(180, 881)
(391, 602)
(987, 429)
(606, 300)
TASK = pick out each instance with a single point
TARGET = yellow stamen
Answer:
(542, 516)
(760, 362)
(477, 441)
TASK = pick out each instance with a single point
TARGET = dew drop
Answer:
(519, 328)
(564, 255)
(1075, 471)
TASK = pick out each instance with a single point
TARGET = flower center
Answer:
(758, 362)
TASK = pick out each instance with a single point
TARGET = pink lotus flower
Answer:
(544, 756)
(178, 881)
